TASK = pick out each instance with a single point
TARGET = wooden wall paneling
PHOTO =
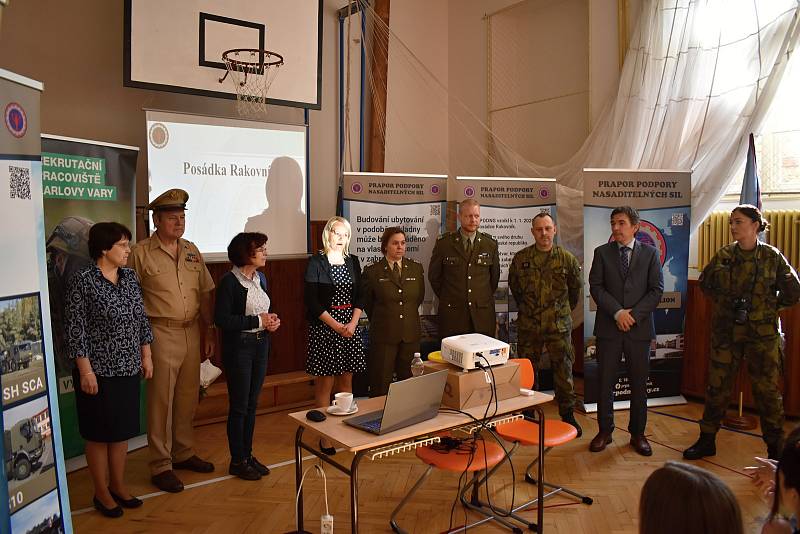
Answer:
(290, 341)
(316, 235)
(577, 347)
(285, 277)
(697, 342)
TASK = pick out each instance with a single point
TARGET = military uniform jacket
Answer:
(545, 295)
(465, 285)
(393, 307)
(171, 290)
(729, 276)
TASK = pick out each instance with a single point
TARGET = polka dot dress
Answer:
(329, 353)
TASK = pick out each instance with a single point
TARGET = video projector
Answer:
(466, 350)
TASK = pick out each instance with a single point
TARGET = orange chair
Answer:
(525, 432)
(486, 455)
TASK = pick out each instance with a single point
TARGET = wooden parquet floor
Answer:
(613, 478)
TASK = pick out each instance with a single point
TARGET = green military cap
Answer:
(170, 200)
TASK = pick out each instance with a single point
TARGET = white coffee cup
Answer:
(343, 401)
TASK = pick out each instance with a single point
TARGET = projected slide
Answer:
(240, 176)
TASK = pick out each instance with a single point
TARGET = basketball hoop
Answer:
(252, 72)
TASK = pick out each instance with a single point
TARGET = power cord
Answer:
(493, 401)
(326, 521)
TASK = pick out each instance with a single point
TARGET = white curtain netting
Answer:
(698, 77)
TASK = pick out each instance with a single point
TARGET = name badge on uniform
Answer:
(526, 265)
(192, 257)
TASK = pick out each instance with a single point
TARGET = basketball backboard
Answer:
(178, 46)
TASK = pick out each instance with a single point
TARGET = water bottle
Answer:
(417, 367)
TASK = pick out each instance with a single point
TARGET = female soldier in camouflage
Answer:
(748, 283)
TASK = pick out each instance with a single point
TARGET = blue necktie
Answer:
(625, 260)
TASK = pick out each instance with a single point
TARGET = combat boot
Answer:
(774, 451)
(570, 418)
(705, 446)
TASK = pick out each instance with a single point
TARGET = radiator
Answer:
(783, 233)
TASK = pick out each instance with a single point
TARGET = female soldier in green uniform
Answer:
(748, 283)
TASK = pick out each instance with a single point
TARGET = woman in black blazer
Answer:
(333, 304)
(242, 314)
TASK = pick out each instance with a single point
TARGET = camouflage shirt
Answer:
(763, 276)
(546, 286)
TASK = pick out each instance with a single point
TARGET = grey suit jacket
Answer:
(639, 291)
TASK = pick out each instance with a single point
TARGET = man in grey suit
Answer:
(626, 283)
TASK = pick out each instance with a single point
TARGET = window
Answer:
(778, 144)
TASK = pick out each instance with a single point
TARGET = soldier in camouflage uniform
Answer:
(546, 281)
(748, 283)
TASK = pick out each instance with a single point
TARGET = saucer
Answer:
(334, 410)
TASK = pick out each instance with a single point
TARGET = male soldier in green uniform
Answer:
(176, 287)
(464, 272)
(546, 281)
(392, 289)
(748, 283)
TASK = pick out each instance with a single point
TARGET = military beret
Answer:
(172, 199)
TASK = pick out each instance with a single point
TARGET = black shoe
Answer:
(108, 512)
(244, 470)
(258, 466)
(133, 502)
(570, 418)
(705, 446)
(330, 451)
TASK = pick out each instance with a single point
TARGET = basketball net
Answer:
(252, 77)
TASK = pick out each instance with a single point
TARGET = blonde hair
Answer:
(326, 232)
(468, 202)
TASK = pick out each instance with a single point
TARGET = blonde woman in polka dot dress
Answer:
(333, 303)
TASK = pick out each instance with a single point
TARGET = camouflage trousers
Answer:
(764, 364)
(562, 356)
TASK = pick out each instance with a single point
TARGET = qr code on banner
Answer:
(677, 219)
(436, 210)
(20, 182)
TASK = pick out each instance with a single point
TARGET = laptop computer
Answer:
(408, 402)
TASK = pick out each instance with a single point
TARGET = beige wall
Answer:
(76, 49)
(416, 122)
(451, 37)
(78, 54)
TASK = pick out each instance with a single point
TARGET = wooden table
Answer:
(361, 442)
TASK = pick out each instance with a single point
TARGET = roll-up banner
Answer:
(35, 483)
(508, 206)
(84, 182)
(663, 200)
(414, 202)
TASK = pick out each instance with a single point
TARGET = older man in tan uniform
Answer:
(177, 296)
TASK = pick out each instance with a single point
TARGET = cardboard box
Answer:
(470, 388)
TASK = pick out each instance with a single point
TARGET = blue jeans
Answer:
(245, 371)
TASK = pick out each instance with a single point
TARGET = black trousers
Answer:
(637, 362)
(245, 371)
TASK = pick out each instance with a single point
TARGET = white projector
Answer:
(468, 350)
